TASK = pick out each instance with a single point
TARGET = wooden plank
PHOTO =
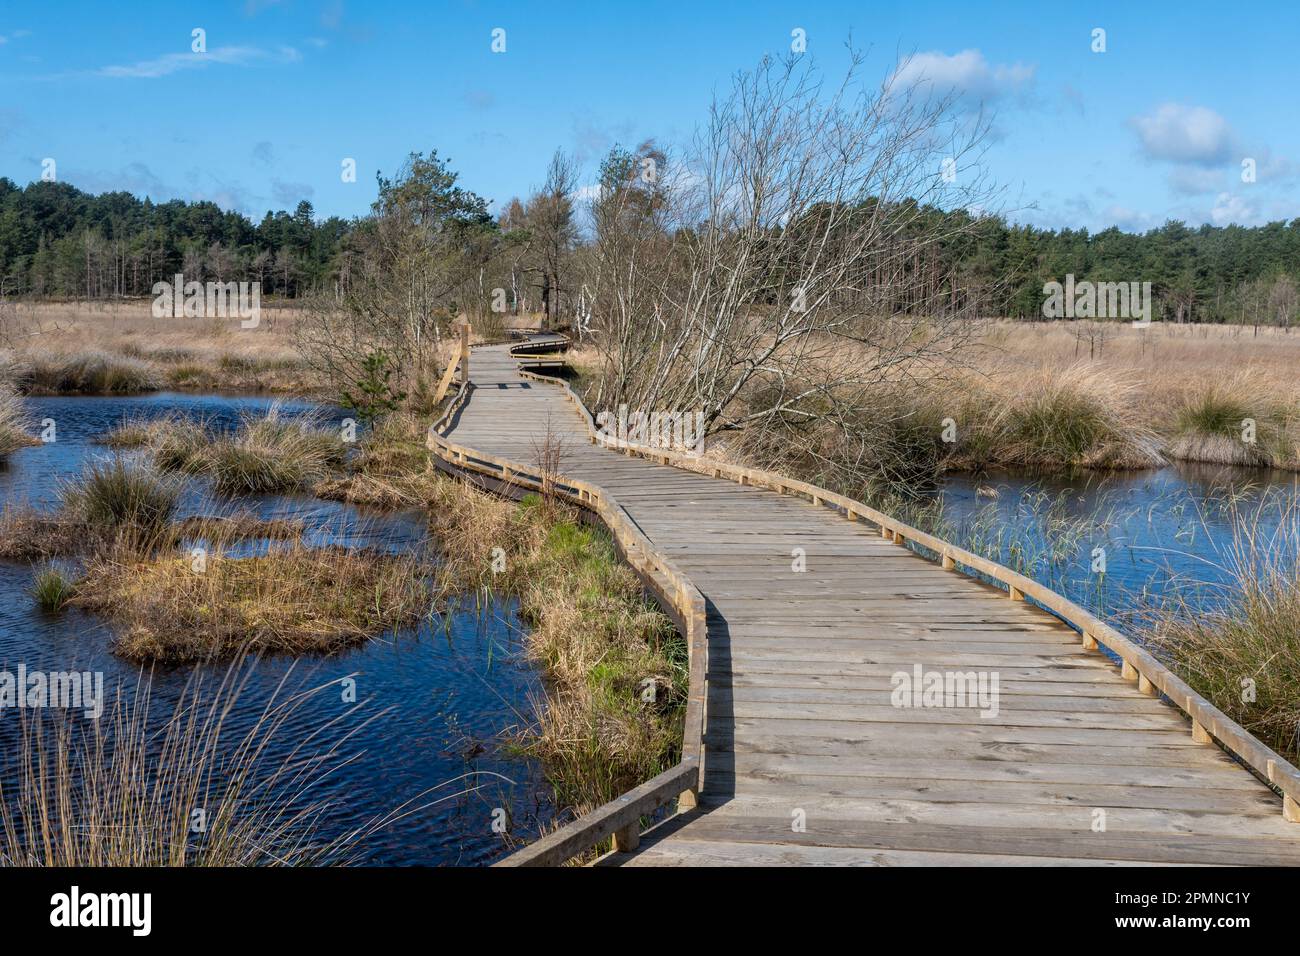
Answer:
(795, 669)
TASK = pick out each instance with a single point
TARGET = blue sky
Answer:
(1156, 127)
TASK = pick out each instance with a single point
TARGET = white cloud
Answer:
(966, 75)
(173, 62)
(1185, 134)
(1129, 220)
(1229, 208)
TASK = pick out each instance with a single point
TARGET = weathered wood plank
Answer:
(797, 681)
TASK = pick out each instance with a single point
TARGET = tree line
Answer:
(58, 241)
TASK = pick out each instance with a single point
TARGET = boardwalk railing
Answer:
(621, 817)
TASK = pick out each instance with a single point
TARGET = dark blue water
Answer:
(437, 701)
(1176, 531)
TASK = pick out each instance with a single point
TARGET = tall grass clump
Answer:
(13, 422)
(122, 790)
(118, 494)
(1080, 416)
(51, 589)
(265, 454)
(89, 373)
(141, 432)
(1240, 421)
(274, 453)
(1234, 635)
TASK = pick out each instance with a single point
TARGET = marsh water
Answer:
(1124, 543)
(438, 702)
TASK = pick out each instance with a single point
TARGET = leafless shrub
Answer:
(794, 260)
(548, 456)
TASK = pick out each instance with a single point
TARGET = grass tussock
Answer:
(290, 600)
(13, 422)
(118, 494)
(273, 454)
(1079, 416)
(391, 469)
(1239, 421)
(122, 790)
(86, 373)
(893, 450)
(51, 588)
(141, 432)
(269, 453)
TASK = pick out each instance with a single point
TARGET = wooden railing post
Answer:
(628, 838)
(464, 354)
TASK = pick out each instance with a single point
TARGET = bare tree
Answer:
(410, 266)
(553, 230)
(793, 259)
(1283, 299)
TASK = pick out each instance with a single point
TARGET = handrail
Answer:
(620, 817)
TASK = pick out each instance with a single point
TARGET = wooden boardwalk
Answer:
(807, 759)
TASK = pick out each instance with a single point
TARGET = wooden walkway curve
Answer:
(806, 758)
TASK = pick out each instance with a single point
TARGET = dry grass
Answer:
(30, 535)
(291, 600)
(1171, 365)
(1047, 396)
(85, 373)
(123, 791)
(13, 422)
(1236, 638)
(120, 347)
(616, 669)
(1238, 419)
(118, 494)
(1081, 415)
(391, 469)
(266, 453)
